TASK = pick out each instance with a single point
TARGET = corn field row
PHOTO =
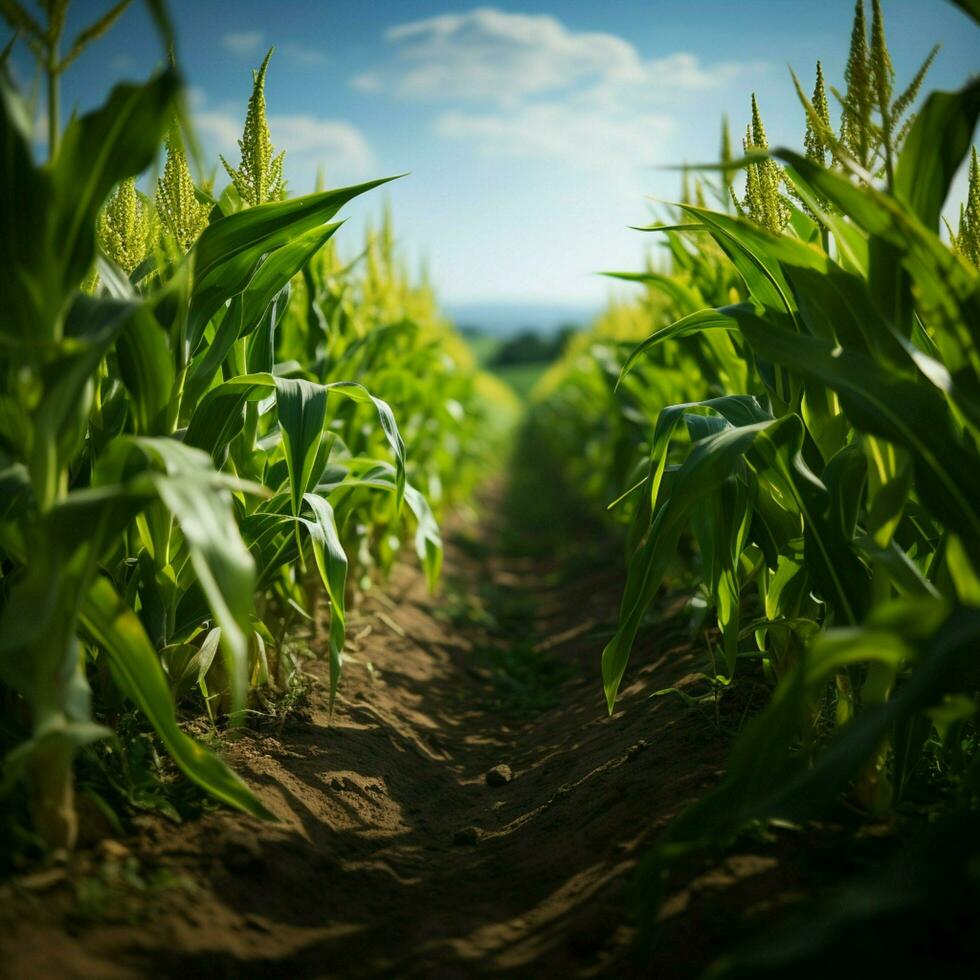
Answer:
(797, 394)
(216, 424)
(192, 443)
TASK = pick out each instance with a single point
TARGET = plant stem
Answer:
(53, 69)
(54, 125)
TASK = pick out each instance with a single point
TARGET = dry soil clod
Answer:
(499, 775)
(466, 836)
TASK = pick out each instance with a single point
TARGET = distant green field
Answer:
(521, 377)
(484, 346)
(519, 373)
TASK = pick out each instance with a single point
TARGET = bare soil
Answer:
(394, 856)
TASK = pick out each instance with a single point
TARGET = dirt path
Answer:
(394, 857)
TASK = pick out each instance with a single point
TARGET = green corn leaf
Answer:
(758, 255)
(738, 410)
(688, 326)
(964, 571)
(383, 476)
(891, 406)
(852, 245)
(683, 296)
(934, 150)
(60, 418)
(970, 7)
(331, 562)
(249, 307)
(428, 539)
(146, 369)
(183, 479)
(215, 352)
(226, 254)
(277, 270)
(260, 345)
(271, 539)
(774, 784)
(219, 417)
(302, 409)
(708, 465)
(948, 287)
(721, 525)
(358, 393)
(831, 560)
(110, 623)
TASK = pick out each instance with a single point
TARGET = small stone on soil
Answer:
(466, 836)
(499, 775)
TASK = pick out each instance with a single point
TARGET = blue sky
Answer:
(532, 130)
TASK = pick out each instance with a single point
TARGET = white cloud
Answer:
(301, 55)
(587, 139)
(533, 87)
(196, 96)
(683, 70)
(246, 43)
(369, 81)
(242, 42)
(488, 55)
(221, 128)
(340, 145)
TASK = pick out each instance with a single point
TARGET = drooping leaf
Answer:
(111, 624)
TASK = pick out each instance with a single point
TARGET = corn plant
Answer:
(818, 447)
(832, 497)
(59, 524)
(183, 450)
